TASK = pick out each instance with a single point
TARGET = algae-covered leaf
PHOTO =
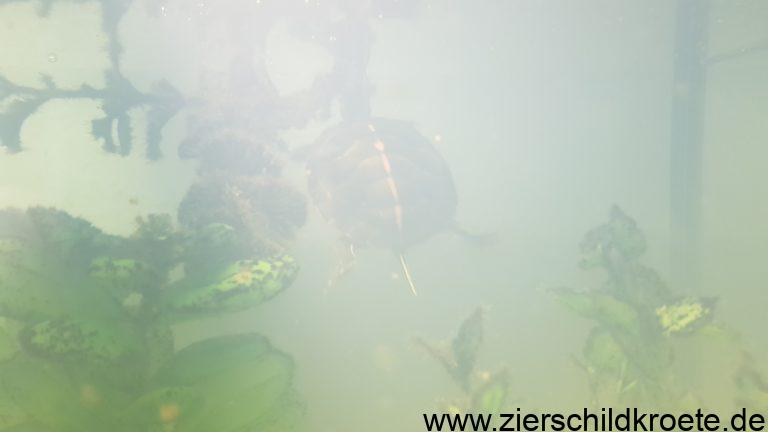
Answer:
(100, 342)
(124, 276)
(618, 239)
(240, 286)
(133, 284)
(244, 380)
(685, 316)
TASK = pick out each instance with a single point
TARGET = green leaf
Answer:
(466, 345)
(616, 313)
(603, 354)
(618, 239)
(600, 307)
(580, 302)
(245, 382)
(211, 357)
(491, 398)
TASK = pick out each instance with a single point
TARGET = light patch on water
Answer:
(293, 63)
(67, 45)
(63, 166)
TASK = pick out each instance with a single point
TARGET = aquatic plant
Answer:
(482, 392)
(629, 354)
(118, 97)
(247, 103)
(86, 318)
(86, 339)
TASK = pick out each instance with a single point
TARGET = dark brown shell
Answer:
(349, 182)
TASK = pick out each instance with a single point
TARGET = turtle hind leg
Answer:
(476, 239)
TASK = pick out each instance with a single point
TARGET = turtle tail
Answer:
(408, 275)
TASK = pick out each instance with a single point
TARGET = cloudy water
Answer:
(339, 215)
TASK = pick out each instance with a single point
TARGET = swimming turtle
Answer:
(382, 184)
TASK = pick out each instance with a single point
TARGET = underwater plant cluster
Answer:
(86, 339)
(632, 355)
(87, 318)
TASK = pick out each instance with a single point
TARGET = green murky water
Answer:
(219, 316)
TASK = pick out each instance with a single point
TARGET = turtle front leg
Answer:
(346, 261)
